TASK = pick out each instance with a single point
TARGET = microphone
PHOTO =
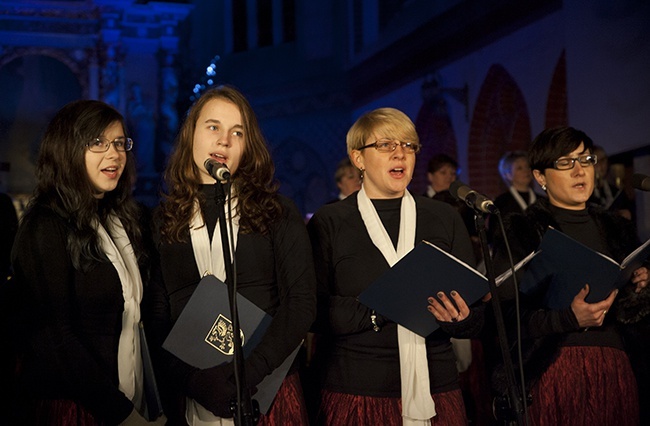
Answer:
(641, 182)
(472, 198)
(219, 171)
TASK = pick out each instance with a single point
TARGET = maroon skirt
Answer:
(288, 406)
(341, 409)
(288, 409)
(58, 412)
(586, 385)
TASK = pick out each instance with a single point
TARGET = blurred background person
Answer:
(442, 170)
(9, 221)
(606, 194)
(516, 174)
(347, 178)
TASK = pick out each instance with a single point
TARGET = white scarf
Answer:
(209, 261)
(117, 247)
(417, 404)
(531, 197)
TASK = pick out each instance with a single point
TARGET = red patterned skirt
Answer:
(341, 409)
(288, 407)
(58, 412)
(586, 385)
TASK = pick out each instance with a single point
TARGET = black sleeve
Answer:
(46, 275)
(336, 314)
(297, 293)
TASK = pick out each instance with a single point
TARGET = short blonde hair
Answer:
(382, 122)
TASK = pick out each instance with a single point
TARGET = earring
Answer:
(544, 187)
(362, 170)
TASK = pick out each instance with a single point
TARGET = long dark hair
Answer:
(257, 204)
(64, 187)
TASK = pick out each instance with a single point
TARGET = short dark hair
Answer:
(439, 160)
(555, 142)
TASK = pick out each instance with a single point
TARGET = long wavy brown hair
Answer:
(257, 201)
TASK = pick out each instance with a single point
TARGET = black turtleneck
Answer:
(581, 226)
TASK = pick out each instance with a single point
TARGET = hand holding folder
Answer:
(401, 293)
(563, 266)
(202, 335)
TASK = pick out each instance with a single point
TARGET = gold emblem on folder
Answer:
(221, 336)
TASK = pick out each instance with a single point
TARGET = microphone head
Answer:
(454, 187)
(640, 181)
(209, 164)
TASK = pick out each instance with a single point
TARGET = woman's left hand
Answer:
(640, 278)
(447, 311)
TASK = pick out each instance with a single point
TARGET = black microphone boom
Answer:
(641, 182)
(217, 170)
(472, 198)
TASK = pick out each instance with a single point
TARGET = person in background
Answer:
(9, 221)
(442, 170)
(575, 363)
(272, 254)
(365, 360)
(607, 195)
(347, 178)
(77, 262)
(515, 173)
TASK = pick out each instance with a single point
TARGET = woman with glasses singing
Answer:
(372, 373)
(77, 259)
(576, 368)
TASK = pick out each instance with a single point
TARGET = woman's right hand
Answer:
(591, 314)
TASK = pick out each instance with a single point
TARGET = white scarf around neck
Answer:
(417, 404)
(517, 196)
(209, 261)
(117, 247)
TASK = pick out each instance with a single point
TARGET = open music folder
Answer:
(401, 293)
(203, 334)
(563, 266)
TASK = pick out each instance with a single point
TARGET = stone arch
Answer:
(436, 134)
(34, 87)
(79, 68)
(500, 123)
(557, 105)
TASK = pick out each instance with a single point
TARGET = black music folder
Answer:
(401, 293)
(563, 266)
(151, 394)
(203, 334)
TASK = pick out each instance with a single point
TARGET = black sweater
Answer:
(69, 321)
(543, 330)
(274, 271)
(356, 359)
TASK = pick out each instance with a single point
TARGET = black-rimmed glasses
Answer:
(103, 144)
(390, 145)
(585, 160)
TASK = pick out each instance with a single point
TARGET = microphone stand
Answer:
(514, 395)
(245, 410)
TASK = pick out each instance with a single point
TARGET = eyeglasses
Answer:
(586, 160)
(390, 145)
(102, 144)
